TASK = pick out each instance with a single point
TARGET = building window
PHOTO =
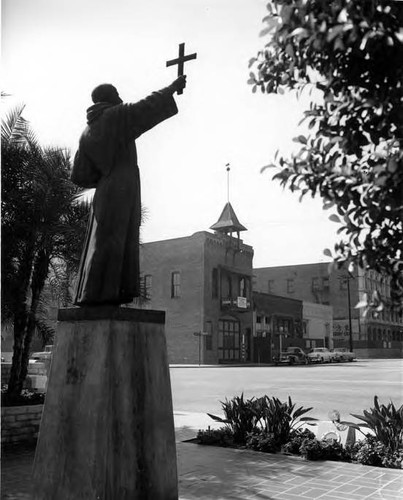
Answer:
(270, 286)
(315, 284)
(227, 288)
(148, 284)
(242, 287)
(290, 286)
(284, 326)
(214, 283)
(258, 319)
(209, 336)
(229, 340)
(325, 284)
(175, 284)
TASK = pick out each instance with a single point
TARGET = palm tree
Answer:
(42, 231)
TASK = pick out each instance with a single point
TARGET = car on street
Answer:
(321, 355)
(291, 356)
(343, 354)
(40, 357)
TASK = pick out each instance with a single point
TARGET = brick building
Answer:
(373, 335)
(203, 282)
(317, 326)
(277, 324)
(281, 322)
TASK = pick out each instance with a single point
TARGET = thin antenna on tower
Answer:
(228, 169)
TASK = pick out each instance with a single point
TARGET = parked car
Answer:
(321, 355)
(292, 356)
(343, 354)
(40, 357)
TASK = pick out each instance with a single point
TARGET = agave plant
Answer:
(263, 415)
(241, 416)
(283, 419)
(385, 421)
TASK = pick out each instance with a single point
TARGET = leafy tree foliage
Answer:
(351, 53)
(42, 232)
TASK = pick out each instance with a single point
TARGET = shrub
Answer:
(216, 437)
(311, 449)
(386, 422)
(294, 444)
(315, 449)
(393, 460)
(334, 451)
(371, 451)
(261, 441)
(26, 397)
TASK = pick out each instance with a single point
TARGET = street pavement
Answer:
(346, 387)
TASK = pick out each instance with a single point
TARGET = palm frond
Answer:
(14, 126)
(15, 129)
(84, 197)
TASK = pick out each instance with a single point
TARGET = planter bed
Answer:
(20, 423)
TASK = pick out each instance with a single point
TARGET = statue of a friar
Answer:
(107, 160)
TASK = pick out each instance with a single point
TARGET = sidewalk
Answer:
(213, 473)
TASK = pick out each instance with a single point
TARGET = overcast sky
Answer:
(54, 52)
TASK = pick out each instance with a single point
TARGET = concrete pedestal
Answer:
(107, 431)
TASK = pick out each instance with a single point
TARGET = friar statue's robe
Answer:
(107, 159)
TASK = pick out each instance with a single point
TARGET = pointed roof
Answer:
(228, 221)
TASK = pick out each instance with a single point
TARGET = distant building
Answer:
(277, 324)
(317, 325)
(374, 335)
(281, 322)
(204, 283)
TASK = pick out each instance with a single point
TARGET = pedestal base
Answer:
(107, 430)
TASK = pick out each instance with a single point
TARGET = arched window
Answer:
(214, 284)
(242, 287)
(175, 284)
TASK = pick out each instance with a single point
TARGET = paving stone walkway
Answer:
(219, 473)
(213, 473)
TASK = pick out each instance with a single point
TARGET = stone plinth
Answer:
(107, 429)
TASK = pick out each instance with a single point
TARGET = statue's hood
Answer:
(96, 110)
